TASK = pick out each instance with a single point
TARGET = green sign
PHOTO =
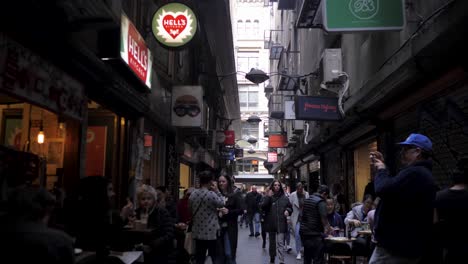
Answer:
(363, 15)
(174, 25)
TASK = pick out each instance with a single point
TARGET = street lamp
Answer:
(252, 140)
(256, 76)
(253, 119)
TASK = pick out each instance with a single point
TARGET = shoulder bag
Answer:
(189, 244)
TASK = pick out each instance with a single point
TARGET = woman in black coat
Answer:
(277, 208)
(228, 221)
(159, 244)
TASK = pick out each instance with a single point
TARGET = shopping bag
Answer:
(189, 243)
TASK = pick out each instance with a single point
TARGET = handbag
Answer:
(189, 244)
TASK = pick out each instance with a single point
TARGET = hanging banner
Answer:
(174, 25)
(363, 15)
(317, 108)
(134, 52)
(187, 102)
(277, 141)
(230, 137)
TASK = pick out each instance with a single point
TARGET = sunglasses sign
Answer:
(187, 102)
(174, 25)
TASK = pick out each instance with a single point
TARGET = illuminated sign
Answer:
(276, 141)
(317, 108)
(174, 25)
(134, 52)
(272, 157)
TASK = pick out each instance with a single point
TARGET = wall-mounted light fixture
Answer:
(40, 135)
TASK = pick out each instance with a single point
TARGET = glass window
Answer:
(248, 27)
(256, 28)
(240, 27)
(249, 130)
(243, 99)
(253, 99)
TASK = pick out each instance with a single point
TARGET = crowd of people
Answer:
(409, 219)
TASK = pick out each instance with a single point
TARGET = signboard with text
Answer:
(174, 25)
(277, 141)
(272, 157)
(134, 52)
(363, 15)
(29, 77)
(317, 108)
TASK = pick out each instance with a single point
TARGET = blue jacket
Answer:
(404, 216)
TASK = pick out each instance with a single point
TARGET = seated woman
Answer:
(159, 245)
(356, 220)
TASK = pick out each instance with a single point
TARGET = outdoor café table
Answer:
(128, 257)
(365, 232)
(130, 237)
(340, 239)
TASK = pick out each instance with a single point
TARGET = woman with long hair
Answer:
(228, 220)
(277, 208)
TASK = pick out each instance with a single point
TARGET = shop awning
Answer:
(254, 178)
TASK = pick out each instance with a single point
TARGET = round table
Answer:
(365, 232)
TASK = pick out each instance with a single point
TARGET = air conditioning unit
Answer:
(331, 67)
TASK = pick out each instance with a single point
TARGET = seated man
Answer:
(26, 238)
(356, 220)
(336, 222)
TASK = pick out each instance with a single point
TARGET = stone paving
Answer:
(249, 250)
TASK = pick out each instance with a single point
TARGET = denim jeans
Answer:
(255, 218)
(381, 255)
(298, 238)
(227, 250)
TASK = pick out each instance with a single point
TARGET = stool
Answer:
(339, 259)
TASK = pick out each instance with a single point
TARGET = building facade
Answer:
(102, 112)
(250, 20)
(393, 83)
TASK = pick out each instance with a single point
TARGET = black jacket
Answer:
(161, 239)
(228, 222)
(311, 222)
(252, 201)
(404, 216)
(274, 207)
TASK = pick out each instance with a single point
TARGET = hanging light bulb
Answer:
(40, 135)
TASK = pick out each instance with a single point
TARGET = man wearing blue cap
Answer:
(404, 216)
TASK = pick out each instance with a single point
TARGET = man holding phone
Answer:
(403, 218)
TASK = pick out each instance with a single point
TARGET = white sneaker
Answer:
(299, 256)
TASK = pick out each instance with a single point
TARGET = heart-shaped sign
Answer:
(174, 25)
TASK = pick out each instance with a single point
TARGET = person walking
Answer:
(405, 198)
(277, 208)
(452, 212)
(314, 224)
(297, 201)
(203, 205)
(263, 216)
(252, 201)
(228, 214)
